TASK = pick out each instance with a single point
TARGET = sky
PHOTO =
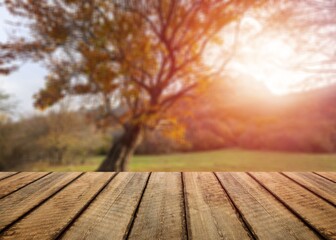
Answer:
(24, 83)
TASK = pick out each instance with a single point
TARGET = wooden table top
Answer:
(170, 205)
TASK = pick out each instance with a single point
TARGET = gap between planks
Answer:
(12, 217)
(323, 190)
(331, 176)
(18, 181)
(300, 202)
(4, 175)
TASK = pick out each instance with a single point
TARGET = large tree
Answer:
(135, 59)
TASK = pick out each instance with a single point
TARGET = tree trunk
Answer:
(121, 150)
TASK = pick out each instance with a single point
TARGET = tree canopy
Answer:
(140, 56)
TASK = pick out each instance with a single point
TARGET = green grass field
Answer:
(222, 160)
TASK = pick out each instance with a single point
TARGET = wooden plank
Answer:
(111, 214)
(319, 185)
(210, 214)
(4, 175)
(17, 204)
(316, 212)
(18, 181)
(267, 217)
(161, 211)
(329, 175)
(47, 221)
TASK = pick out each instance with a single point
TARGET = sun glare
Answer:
(263, 59)
(266, 63)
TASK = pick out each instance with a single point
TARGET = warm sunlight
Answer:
(262, 57)
(266, 63)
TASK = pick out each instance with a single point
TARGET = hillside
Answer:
(245, 115)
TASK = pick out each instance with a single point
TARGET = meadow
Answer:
(220, 160)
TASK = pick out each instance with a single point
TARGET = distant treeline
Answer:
(56, 138)
(242, 117)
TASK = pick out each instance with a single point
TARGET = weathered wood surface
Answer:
(110, 215)
(267, 217)
(10, 185)
(316, 212)
(316, 184)
(56, 213)
(4, 175)
(168, 205)
(328, 175)
(33, 195)
(210, 213)
(163, 201)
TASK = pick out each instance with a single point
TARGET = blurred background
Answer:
(269, 107)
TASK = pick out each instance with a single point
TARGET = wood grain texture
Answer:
(210, 214)
(17, 204)
(329, 175)
(4, 175)
(111, 214)
(318, 213)
(54, 215)
(162, 201)
(267, 217)
(319, 185)
(18, 181)
(167, 206)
